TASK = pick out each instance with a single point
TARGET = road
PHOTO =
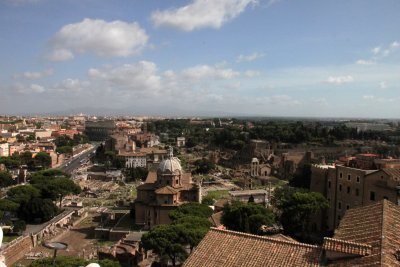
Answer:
(75, 162)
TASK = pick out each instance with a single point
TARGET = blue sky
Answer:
(333, 58)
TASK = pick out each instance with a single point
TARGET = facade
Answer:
(4, 150)
(99, 130)
(163, 191)
(134, 159)
(346, 187)
(180, 141)
(260, 196)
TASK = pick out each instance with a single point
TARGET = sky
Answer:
(312, 58)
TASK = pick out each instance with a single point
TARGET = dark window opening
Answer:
(371, 195)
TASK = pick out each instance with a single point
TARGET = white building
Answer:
(4, 150)
(134, 159)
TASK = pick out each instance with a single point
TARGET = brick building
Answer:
(163, 191)
(347, 187)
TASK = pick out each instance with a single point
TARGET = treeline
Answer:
(65, 143)
(238, 133)
(42, 160)
(34, 202)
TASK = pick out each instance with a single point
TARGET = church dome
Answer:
(170, 164)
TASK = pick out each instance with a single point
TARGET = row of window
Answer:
(349, 177)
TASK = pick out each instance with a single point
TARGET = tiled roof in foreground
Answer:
(376, 225)
(224, 248)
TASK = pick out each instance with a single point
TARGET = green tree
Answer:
(246, 217)
(19, 226)
(22, 193)
(6, 179)
(43, 159)
(296, 208)
(64, 149)
(8, 205)
(203, 166)
(208, 200)
(166, 241)
(192, 229)
(54, 184)
(192, 209)
(302, 177)
(37, 210)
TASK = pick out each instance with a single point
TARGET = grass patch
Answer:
(133, 192)
(9, 238)
(218, 194)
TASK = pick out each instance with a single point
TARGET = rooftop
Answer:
(224, 248)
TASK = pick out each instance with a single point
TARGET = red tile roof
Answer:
(224, 248)
(376, 225)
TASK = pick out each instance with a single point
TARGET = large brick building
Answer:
(346, 187)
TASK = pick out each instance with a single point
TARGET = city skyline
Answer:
(237, 57)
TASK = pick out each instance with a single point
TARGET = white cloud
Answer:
(34, 75)
(383, 85)
(102, 38)
(368, 97)
(71, 85)
(201, 14)
(278, 100)
(338, 80)
(28, 89)
(141, 76)
(395, 44)
(365, 62)
(376, 50)
(60, 55)
(209, 72)
(251, 73)
(248, 58)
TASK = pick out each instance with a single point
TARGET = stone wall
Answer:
(17, 249)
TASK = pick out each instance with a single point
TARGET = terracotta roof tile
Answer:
(376, 225)
(224, 248)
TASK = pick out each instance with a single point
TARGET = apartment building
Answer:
(346, 187)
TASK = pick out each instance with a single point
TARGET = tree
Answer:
(43, 159)
(208, 200)
(189, 225)
(6, 179)
(136, 174)
(166, 241)
(54, 184)
(192, 229)
(192, 209)
(203, 166)
(246, 217)
(296, 207)
(37, 210)
(22, 193)
(19, 226)
(302, 177)
(8, 205)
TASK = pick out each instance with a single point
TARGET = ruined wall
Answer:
(17, 249)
